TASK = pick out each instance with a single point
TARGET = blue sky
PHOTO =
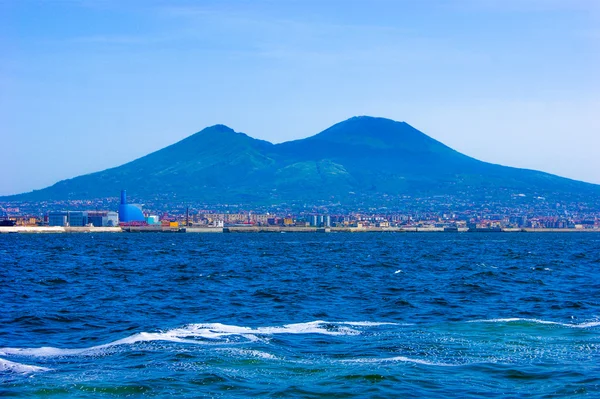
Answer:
(87, 85)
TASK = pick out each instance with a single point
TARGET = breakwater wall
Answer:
(528, 230)
(58, 229)
(270, 229)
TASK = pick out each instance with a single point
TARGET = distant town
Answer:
(436, 214)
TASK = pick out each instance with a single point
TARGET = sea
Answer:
(300, 315)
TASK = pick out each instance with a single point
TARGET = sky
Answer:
(87, 85)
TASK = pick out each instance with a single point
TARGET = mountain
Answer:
(366, 157)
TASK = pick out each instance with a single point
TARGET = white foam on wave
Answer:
(366, 323)
(218, 330)
(19, 368)
(204, 334)
(47, 351)
(539, 321)
(250, 353)
(399, 359)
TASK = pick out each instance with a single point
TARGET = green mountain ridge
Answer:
(366, 156)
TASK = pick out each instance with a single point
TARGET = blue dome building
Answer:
(129, 212)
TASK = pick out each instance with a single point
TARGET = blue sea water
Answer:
(372, 315)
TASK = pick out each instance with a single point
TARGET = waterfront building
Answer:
(152, 220)
(130, 212)
(259, 218)
(103, 218)
(320, 220)
(77, 218)
(58, 218)
(233, 218)
(212, 218)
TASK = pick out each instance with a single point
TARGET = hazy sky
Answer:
(87, 85)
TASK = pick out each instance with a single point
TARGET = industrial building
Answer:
(320, 220)
(129, 213)
(58, 218)
(103, 218)
(77, 219)
(83, 218)
(67, 218)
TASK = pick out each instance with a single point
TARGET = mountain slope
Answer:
(373, 157)
(214, 158)
(393, 157)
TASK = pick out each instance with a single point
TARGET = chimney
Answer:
(123, 197)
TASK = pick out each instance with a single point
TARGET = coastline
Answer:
(270, 229)
(57, 229)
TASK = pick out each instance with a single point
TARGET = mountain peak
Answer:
(221, 136)
(371, 125)
(219, 128)
(217, 133)
(370, 119)
(376, 132)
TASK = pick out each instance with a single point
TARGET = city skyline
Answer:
(512, 83)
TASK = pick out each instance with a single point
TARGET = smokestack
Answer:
(123, 197)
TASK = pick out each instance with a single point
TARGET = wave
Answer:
(250, 353)
(366, 323)
(19, 368)
(400, 359)
(539, 321)
(205, 334)
(52, 352)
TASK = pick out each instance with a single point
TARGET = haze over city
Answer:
(87, 85)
